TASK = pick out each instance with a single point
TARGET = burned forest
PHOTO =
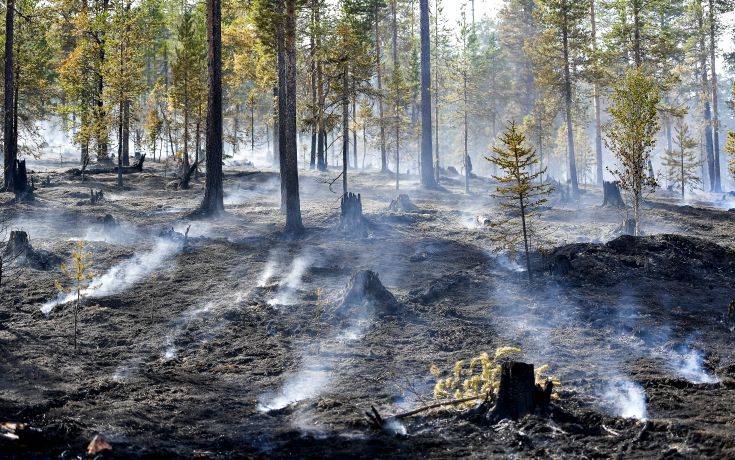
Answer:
(367, 229)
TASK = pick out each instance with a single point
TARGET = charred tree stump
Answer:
(402, 203)
(351, 219)
(519, 395)
(18, 245)
(21, 188)
(186, 176)
(366, 295)
(611, 196)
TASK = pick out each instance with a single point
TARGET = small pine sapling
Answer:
(521, 191)
(683, 163)
(79, 276)
(730, 149)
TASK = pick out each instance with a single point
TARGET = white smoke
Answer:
(317, 370)
(292, 281)
(123, 275)
(689, 364)
(626, 398)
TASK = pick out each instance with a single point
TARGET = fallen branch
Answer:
(452, 402)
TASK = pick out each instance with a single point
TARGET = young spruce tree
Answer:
(520, 192)
(682, 164)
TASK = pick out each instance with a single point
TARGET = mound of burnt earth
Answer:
(366, 295)
(19, 252)
(627, 258)
(402, 203)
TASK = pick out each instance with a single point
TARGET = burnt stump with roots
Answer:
(351, 220)
(366, 295)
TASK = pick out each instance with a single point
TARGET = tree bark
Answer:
(715, 110)
(568, 106)
(709, 143)
(10, 149)
(596, 96)
(427, 165)
(289, 159)
(101, 134)
(126, 133)
(396, 109)
(213, 194)
(345, 124)
(379, 75)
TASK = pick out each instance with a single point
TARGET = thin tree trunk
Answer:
(715, 109)
(427, 165)
(10, 149)
(397, 90)
(596, 96)
(213, 193)
(126, 133)
(378, 71)
(709, 143)
(568, 107)
(637, 52)
(345, 124)
(354, 118)
(312, 79)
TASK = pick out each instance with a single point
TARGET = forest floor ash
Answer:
(221, 338)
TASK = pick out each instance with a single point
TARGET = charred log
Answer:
(611, 196)
(136, 167)
(366, 295)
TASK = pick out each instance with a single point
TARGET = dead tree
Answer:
(611, 195)
(186, 175)
(21, 188)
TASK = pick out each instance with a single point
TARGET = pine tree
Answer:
(519, 191)
(631, 134)
(188, 88)
(730, 149)
(559, 53)
(683, 163)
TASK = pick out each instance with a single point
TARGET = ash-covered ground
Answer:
(230, 344)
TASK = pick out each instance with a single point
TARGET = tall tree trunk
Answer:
(596, 96)
(436, 91)
(289, 160)
(354, 119)
(236, 129)
(345, 124)
(568, 107)
(213, 193)
(10, 149)
(101, 134)
(379, 75)
(185, 157)
(396, 109)
(120, 165)
(276, 160)
(252, 126)
(312, 80)
(126, 133)
(427, 165)
(715, 108)
(466, 133)
(709, 143)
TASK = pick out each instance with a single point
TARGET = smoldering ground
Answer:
(180, 360)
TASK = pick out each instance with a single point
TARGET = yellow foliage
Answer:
(479, 378)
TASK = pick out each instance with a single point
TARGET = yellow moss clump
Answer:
(479, 378)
